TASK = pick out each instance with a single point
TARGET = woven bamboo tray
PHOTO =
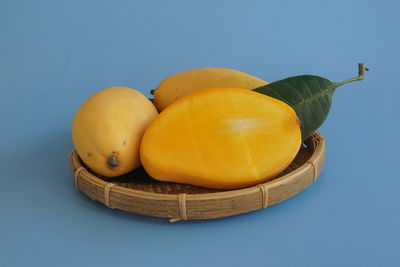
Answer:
(137, 192)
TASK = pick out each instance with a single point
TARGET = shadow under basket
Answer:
(138, 193)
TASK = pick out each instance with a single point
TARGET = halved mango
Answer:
(221, 138)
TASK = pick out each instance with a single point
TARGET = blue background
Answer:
(53, 55)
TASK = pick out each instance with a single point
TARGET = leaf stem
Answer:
(361, 71)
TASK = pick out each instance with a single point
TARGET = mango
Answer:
(223, 138)
(108, 128)
(180, 84)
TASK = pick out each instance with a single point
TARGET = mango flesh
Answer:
(108, 128)
(223, 138)
(180, 84)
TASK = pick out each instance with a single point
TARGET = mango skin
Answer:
(111, 123)
(224, 138)
(183, 83)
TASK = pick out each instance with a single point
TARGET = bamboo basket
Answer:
(136, 192)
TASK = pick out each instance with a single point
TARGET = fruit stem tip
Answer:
(113, 161)
(361, 70)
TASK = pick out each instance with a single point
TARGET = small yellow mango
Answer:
(108, 128)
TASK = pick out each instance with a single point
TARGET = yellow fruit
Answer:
(108, 128)
(221, 138)
(184, 83)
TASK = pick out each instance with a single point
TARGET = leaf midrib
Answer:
(309, 99)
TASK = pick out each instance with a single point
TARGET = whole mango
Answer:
(183, 83)
(108, 128)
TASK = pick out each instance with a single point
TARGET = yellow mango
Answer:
(221, 138)
(108, 128)
(183, 83)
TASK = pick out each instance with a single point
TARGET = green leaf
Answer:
(310, 96)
